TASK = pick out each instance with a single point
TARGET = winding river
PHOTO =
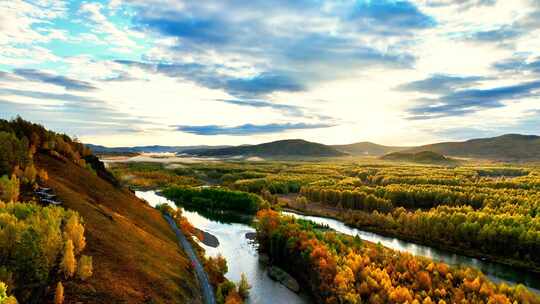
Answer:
(242, 256)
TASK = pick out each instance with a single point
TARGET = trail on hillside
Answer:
(207, 291)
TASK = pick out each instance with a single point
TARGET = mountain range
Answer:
(504, 147)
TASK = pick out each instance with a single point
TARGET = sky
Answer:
(175, 72)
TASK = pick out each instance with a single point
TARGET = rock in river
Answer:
(278, 274)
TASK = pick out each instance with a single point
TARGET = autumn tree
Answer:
(59, 294)
(74, 231)
(84, 267)
(9, 188)
(4, 298)
(30, 173)
(68, 263)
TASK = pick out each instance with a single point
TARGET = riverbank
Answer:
(320, 210)
(239, 251)
(206, 288)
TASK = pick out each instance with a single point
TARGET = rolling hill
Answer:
(280, 148)
(367, 148)
(510, 147)
(418, 157)
(504, 147)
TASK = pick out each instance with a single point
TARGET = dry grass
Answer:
(135, 253)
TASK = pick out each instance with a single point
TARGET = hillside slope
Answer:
(505, 147)
(368, 148)
(289, 147)
(419, 157)
(136, 257)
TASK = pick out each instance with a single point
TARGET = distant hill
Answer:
(98, 149)
(510, 147)
(505, 147)
(368, 148)
(290, 147)
(419, 157)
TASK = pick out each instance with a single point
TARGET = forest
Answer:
(40, 246)
(214, 199)
(344, 269)
(476, 208)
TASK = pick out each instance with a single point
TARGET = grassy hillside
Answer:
(290, 147)
(136, 257)
(367, 148)
(420, 157)
(505, 147)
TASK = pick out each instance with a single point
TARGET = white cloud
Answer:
(318, 47)
(116, 36)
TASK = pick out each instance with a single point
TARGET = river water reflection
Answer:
(242, 256)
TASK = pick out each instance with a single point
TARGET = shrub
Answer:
(85, 268)
(59, 294)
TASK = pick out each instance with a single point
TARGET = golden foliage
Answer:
(68, 263)
(59, 294)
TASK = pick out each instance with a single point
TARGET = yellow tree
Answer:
(59, 294)
(68, 260)
(85, 268)
(74, 231)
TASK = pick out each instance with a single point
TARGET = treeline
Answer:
(214, 199)
(20, 140)
(407, 196)
(40, 247)
(516, 237)
(343, 269)
(356, 199)
(278, 184)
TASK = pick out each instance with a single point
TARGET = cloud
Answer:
(395, 16)
(462, 4)
(48, 95)
(497, 35)
(472, 100)
(504, 36)
(62, 81)
(441, 83)
(119, 37)
(248, 129)
(208, 76)
(519, 64)
(287, 109)
(263, 83)
(73, 117)
(284, 46)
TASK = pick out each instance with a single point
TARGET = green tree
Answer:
(9, 188)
